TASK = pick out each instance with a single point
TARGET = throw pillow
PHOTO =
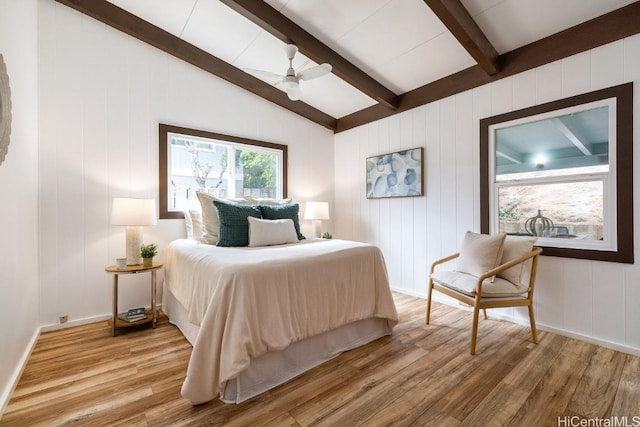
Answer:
(480, 252)
(265, 232)
(234, 225)
(514, 247)
(283, 212)
(210, 221)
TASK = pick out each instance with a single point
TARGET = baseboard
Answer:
(77, 322)
(525, 322)
(586, 338)
(17, 373)
(85, 321)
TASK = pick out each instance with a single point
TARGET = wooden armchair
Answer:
(500, 286)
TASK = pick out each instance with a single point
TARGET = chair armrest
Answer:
(507, 265)
(443, 260)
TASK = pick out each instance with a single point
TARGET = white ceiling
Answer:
(400, 43)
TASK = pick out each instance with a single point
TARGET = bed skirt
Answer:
(275, 368)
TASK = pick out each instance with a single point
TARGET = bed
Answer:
(259, 316)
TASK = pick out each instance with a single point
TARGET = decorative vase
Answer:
(538, 225)
(147, 262)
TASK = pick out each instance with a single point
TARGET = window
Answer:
(224, 165)
(563, 172)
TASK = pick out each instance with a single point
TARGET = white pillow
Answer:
(196, 222)
(210, 220)
(267, 202)
(193, 223)
(514, 247)
(264, 232)
(188, 224)
(480, 253)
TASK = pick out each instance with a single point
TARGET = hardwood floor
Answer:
(421, 375)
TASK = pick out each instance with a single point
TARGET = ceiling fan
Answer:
(291, 80)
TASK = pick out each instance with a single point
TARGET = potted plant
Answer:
(147, 252)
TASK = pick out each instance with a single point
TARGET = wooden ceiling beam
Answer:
(134, 26)
(272, 21)
(460, 23)
(615, 25)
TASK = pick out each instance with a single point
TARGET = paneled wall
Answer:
(19, 195)
(595, 300)
(102, 95)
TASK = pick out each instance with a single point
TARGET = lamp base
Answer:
(316, 228)
(134, 241)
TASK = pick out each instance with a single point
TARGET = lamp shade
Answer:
(316, 210)
(136, 212)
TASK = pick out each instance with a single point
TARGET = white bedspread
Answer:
(249, 301)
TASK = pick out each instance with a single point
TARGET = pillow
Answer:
(270, 202)
(266, 232)
(193, 223)
(196, 224)
(480, 253)
(514, 247)
(234, 226)
(210, 221)
(283, 212)
(188, 224)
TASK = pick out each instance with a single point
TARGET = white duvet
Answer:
(249, 301)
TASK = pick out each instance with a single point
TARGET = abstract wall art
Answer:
(398, 174)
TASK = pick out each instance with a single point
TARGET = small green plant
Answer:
(327, 236)
(148, 251)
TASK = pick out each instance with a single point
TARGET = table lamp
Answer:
(316, 212)
(134, 214)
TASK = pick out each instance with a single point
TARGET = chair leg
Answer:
(534, 333)
(484, 310)
(429, 301)
(474, 330)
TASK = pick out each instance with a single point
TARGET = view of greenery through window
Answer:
(203, 165)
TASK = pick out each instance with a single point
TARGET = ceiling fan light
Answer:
(290, 82)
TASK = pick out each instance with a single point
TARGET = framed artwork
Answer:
(398, 174)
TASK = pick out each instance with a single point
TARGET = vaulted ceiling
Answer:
(387, 56)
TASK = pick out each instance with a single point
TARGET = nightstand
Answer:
(151, 315)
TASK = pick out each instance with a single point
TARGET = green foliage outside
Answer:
(259, 169)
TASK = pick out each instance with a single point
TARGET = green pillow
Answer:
(234, 223)
(283, 212)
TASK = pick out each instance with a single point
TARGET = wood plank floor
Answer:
(421, 375)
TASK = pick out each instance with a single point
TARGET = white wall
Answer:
(595, 300)
(18, 192)
(102, 95)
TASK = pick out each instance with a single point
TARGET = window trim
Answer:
(623, 95)
(163, 158)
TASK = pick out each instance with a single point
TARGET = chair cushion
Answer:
(514, 247)
(466, 284)
(480, 253)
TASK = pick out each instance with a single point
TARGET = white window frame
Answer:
(609, 242)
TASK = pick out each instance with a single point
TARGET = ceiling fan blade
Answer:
(314, 72)
(294, 93)
(263, 74)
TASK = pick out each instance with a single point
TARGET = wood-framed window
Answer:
(563, 171)
(228, 166)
